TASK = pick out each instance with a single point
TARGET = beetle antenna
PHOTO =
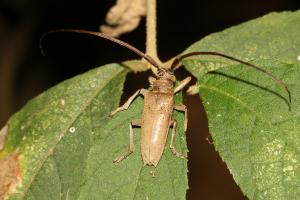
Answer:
(98, 34)
(279, 81)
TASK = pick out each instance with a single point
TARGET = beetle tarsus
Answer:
(119, 159)
(177, 154)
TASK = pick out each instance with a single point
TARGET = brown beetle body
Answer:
(157, 117)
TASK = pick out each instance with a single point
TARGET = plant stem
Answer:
(151, 48)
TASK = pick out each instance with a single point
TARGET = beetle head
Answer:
(165, 74)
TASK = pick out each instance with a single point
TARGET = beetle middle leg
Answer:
(131, 141)
(172, 147)
(182, 108)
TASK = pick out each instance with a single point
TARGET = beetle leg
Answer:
(174, 151)
(151, 79)
(129, 101)
(182, 108)
(131, 141)
(182, 84)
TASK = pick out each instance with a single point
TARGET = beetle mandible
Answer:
(159, 102)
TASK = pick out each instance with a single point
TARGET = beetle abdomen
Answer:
(158, 108)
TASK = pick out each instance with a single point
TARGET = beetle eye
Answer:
(160, 72)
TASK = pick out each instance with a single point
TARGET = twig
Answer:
(151, 47)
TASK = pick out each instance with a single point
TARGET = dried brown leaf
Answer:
(3, 133)
(124, 17)
(10, 174)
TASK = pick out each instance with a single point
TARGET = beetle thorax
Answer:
(163, 85)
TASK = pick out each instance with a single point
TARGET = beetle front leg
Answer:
(128, 102)
(174, 151)
(131, 141)
(182, 84)
(182, 108)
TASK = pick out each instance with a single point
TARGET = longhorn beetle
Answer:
(159, 102)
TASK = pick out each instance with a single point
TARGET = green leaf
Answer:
(67, 143)
(273, 36)
(253, 130)
(248, 114)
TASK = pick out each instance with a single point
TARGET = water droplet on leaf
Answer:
(72, 129)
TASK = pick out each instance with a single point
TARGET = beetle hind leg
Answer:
(172, 147)
(131, 141)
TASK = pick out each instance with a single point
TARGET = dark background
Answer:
(24, 72)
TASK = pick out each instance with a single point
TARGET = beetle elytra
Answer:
(159, 102)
